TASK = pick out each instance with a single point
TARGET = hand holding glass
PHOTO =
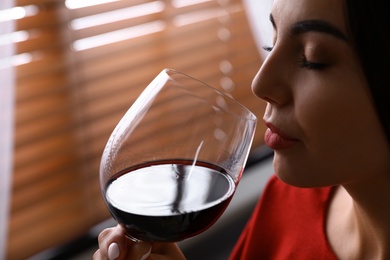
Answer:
(172, 164)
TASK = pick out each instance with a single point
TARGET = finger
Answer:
(103, 243)
(96, 255)
(112, 243)
(113, 251)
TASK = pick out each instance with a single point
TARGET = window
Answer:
(79, 66)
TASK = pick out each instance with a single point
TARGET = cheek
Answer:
(324, 122)
(342, 136)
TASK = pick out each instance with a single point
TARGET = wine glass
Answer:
(171, 165)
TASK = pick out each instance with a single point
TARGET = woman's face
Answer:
(320, 117)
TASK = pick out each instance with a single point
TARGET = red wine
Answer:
(168, 200)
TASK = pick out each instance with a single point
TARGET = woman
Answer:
(327, 90)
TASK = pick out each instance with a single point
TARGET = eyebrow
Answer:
(313, 26)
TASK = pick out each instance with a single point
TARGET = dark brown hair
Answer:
(369, 26)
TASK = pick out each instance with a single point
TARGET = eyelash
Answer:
(303, 62)
(268, 48)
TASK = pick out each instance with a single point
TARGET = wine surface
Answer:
(168, 200)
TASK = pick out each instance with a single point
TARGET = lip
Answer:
(276, 139)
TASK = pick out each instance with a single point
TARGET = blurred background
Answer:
(70, 69)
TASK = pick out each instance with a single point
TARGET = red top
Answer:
(287, 223)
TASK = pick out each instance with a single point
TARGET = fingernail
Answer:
(113, 251)
(147, 254)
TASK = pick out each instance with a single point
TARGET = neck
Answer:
(358, 220)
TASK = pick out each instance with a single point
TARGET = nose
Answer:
(271, 82)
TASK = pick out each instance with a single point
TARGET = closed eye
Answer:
(304, 63)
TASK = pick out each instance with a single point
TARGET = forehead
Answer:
(287, 12)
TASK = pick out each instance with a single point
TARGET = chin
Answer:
(300, 175)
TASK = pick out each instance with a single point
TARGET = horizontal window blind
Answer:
(80, 65)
